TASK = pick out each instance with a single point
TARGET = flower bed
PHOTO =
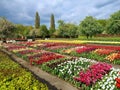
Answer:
(56, 47)
(13, 77)
(102, 74)
(45, 57)
(28, 51)
(67, 69)
(103, 51)
(118, 81)
(14, 47)
(93, 74)
(105, 47)
(84, 49)
(82, 72)
(113, 56)
(108, 81)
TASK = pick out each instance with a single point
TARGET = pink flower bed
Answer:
(29, 51)
(26, 43)
(84, 49)
(57, 47)
(94, 73)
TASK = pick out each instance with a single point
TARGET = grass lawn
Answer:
(113, 38)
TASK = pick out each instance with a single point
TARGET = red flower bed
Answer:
(118, 82)
(93, 74)
(39, 55)
(48, 44)
(104, 46)
(84, 49)
(45, 58)
(15, 47)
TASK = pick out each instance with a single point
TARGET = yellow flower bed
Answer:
(17, 50)
(68, 50)
(62, 41)
(79, 41)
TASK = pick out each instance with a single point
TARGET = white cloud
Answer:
(23, 11)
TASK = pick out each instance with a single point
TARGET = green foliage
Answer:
(103, 23)
(61, 28)
(6, 28)
(44, 31)
(34, 32)
(13, 77)
(71, 30)
(22, 31)
(104, 38)
(113, 26)
(37, 20)
(52, 25)
(90, 27)
(67, 29)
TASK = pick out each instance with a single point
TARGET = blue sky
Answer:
(23, 11)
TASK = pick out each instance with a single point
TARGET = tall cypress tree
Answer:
(37, 20)
(52, 25)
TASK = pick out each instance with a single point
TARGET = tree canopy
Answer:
(44, 31)
(113, 26)
(67, 29)
(6, 28)
(22, 31)
(89, 27)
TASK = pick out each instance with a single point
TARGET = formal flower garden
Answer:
(85, 66)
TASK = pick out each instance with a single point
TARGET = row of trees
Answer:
(42, 31)
(11, 30)
(89, 27)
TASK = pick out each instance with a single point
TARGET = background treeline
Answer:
(89, 28)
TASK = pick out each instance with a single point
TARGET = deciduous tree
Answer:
(113, 26)
(90, 27)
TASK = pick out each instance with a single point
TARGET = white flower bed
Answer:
(108, 82)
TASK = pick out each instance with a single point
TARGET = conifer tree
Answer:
(37, 20)
(52, 25)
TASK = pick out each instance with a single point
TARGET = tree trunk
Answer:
(4, 40)
(87, 36)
